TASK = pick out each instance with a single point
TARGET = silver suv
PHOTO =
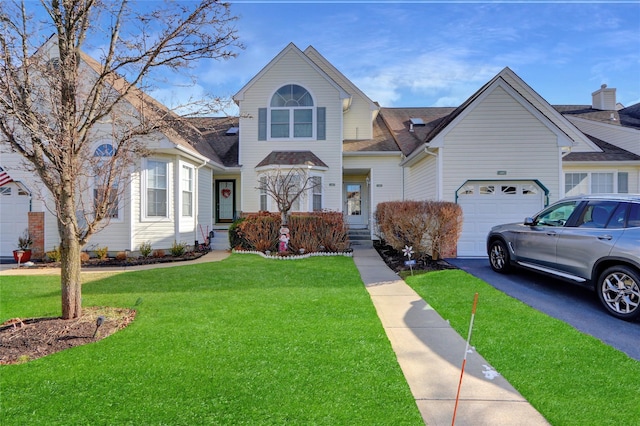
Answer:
(592, 240)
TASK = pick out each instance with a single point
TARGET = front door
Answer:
(225, 200)
(355, 204)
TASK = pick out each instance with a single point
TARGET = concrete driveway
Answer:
(573, 304)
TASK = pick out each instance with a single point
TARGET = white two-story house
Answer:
(502, 155)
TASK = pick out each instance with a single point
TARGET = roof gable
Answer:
(337, 76)
(177, 130)
(436, 137)
(291, 48)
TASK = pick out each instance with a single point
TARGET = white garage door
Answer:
(14, 206)
(485, 204)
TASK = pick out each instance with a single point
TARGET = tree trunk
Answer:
(70, 283)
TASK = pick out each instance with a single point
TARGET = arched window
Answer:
(104, 150)
(291, 113)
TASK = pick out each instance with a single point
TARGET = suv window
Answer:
(556, 215)
(597, 214)
(634, 216)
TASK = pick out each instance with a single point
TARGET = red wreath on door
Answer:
(226, 193)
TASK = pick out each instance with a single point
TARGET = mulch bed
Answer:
(131, 261)
(23, 340)
(395, 260)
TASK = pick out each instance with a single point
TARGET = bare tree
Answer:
(287, 187)
(55, 101)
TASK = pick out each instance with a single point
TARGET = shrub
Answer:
(334, 233)
(158, 253)
(102, 252)
(178, 249)
(145, 249)
(84, 256)
(121, 255)
(260, 231)
(236, 240)
(54, 255)
(430, 227)
(319, 231)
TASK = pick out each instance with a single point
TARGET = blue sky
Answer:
(420, 53)
(438, 54)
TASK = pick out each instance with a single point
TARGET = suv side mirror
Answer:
(529, 221)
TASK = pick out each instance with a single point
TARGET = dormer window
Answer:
(291, 115)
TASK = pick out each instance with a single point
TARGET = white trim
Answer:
(372, 154)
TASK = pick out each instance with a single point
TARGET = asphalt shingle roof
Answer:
(382, 140)
(292, 158)
(215, 143)
(609, 153)
(398, 122)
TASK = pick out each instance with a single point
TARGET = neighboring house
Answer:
(502, 155)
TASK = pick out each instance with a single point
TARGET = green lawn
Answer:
(243, 341)
(571, 378)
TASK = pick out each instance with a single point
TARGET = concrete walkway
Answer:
(430, 354)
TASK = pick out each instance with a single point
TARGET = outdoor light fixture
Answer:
(99, 322)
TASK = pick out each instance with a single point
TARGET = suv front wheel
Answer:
(619, 291)
(499, 257)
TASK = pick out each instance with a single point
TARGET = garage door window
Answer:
(487, 189)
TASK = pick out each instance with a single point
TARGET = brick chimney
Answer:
(604, 99)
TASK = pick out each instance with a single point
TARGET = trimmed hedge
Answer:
(311, 232)
(430, 227)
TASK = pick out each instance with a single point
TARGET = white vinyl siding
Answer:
(358, 119)
(290, 69)
(421, 180)
(623, 137)
(500, 138)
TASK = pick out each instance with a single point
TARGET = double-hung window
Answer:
(102, 192)
(576, 183)
(156, 188)
(263, 194)
(316, 191)
(187, 191)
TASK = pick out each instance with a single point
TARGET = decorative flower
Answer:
(408, 251)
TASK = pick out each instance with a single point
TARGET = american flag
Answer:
(4, 177)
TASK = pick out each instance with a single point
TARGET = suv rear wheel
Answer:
(619, 291)
(499, 257)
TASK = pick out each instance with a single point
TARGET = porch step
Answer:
(359, 234)
(220, 240)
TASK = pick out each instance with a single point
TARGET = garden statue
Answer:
(283, 246)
